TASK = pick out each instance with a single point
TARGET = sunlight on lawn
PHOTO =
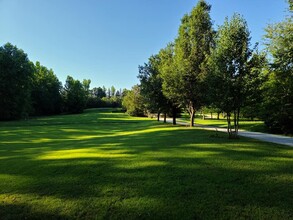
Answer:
(124, 133)
(83, 153)
(34, 141)
(87, 168)
(142, 164)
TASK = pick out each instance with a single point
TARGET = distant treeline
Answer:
(28, 89)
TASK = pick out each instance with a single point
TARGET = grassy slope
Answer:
(104, 165)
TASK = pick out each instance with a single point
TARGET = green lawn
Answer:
(103, 165)
(246, 125)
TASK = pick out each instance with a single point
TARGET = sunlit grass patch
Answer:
(103, 165)
(83, 153)
(142, 164)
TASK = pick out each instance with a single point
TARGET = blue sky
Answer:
(106, 40)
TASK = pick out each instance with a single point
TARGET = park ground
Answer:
(106, 165)
(245, 124)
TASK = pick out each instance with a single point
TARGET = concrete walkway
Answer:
(278, 139)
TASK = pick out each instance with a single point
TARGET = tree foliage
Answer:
(151, 86)
(290, 5)
(16, 73)
(253, 87)
(191, 49)
(99, 99)
(46, 96)
(229, 67)
(170, 82)
(133, 102)
(98, 92)
(75, 95)
(279, 86)
(167, 72)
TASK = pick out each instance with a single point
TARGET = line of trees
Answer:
(218, 69)
(103, 97)
(32, 89)
(28, 89)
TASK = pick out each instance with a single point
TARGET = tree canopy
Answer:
(229, 66)
(151, 86)
(133, 102)
(46, 97)
(278, 98)
(191, 49)
(75, 95)
(16, 76)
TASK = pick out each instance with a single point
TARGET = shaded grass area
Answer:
(103, 165)
(247, 125)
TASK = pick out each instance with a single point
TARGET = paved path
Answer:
(278, 139)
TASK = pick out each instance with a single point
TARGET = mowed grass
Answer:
(103, 165)
(244, 124)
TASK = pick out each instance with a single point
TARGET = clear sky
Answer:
(106, 40)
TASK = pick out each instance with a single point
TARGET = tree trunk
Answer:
(158, 116)
(211, 115)
(229, 125)
(238, 113)
(233, 132)
(192, 118)
(165, 117)
(174, 115)
(218, 116)
(191, 112)
(203, 115)
(235, 122)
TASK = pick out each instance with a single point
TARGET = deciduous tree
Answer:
(75, 95)
(228, 68)
(16, 73)
(279, 87)
(151, 87)
(167, 73)
(254, 80)
(46, 96)
(133, 102)
(192, 47)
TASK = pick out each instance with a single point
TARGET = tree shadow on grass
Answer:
(22, 211)
(153, 171)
